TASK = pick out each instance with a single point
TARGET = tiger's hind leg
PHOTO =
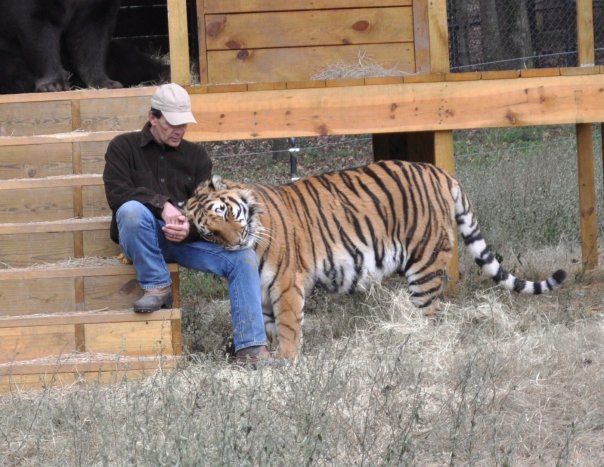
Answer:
(427, 280)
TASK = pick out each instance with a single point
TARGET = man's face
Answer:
(164, 133)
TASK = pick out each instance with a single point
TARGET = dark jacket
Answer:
(138, 168)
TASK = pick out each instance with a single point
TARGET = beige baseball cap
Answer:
(174, 103)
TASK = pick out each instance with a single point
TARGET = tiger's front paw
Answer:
(123, 259)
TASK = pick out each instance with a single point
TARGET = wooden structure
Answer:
(53, 209)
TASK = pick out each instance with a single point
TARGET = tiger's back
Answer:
(345, 229)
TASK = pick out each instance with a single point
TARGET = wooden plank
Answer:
(465, 76)
(87, 363)
(95, 201)
(240, 6)
(302, 63)
(587, 196)
(429, 78)
(93, 156)
(46, 295)
(266, 86)
(178, 37)
(309, 28)
(35, 161)
(63, 225)
(64, 379)
(35, 118)
(201, 41)
(439, 36)
(176, 336)
(74, 269)
(582, 70)
(112, 292)
(67, 96)
(98, 244)
(421, 40)
(175, 276)
(21, 250)
(585, 32)
(332, 83)
(500, 74)
(115, 114)
(427, 106)
(80, 337)
(79, 293)
(539, 72)
(27, 343)
(130, 338)
(226, 88)
(319, 83)
(88, 317)
(59, 138)
(384, 80)
(76, 117)
(43, 204)
(51, 182)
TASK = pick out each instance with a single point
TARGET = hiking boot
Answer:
(253, 355)
(153, 300)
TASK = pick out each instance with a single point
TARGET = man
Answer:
(148, 175)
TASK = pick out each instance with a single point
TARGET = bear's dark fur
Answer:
(44, 42)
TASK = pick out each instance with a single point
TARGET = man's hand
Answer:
(177, 226)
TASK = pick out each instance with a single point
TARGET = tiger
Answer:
(343, 230)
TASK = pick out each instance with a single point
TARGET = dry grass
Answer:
(498, 380)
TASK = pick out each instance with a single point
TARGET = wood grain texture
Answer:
(28, 205)
(130, 338)
(302, 63)
(309, 28)
(114, 114)
(587, 196)
(35, 118)
(178, 36)
(27, 343)
(421, 40)
(585, 32)
(88, 317)
(26, 297)
(21, 249)
(239, 6)
(403, 107)
(34, 161)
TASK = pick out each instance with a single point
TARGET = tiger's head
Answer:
(225, 213)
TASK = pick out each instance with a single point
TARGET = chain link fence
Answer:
(516, 34)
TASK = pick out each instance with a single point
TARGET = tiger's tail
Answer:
(468, 228)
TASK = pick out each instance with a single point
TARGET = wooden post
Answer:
(585, 156)
(585, 32)
(178, 36)
(587, 196)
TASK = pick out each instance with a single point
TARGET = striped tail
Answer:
(468, 228)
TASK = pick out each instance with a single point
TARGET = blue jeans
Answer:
(144, 243)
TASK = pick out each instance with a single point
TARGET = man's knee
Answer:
(245, 259)
(132, 214)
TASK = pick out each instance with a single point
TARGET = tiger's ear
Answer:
(217, 184)
(207, 186)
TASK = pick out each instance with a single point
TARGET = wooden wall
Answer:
(268, 40)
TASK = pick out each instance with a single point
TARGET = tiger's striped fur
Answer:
(343, 230)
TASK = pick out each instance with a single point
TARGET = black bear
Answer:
(39, 39)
